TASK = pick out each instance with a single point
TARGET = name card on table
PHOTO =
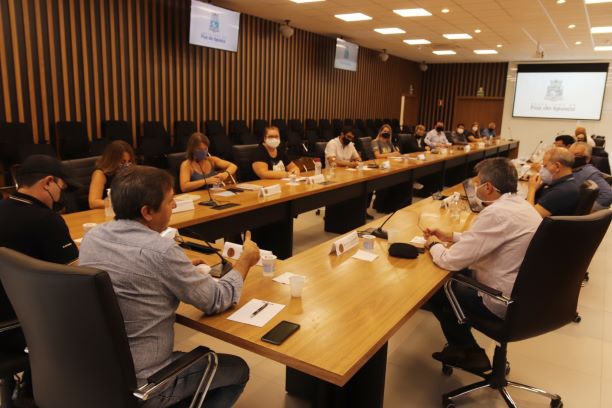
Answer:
(345, 243)
(480, 145)
(421, 157)
(385, 165)
(318, 179)
(183, 205)
(270, 190)
(232, 250)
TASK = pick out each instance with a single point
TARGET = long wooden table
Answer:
(345, 200)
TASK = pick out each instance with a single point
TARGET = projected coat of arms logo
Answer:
(554, 90)
(214, 23)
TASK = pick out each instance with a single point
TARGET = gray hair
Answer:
(588, 150)
(500, 172)
(561, 155)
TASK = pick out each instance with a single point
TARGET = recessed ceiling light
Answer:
(601, 30)
(417, 41)
(444, 52)
(390, 30)
(461, 36)
(560, 1)
(596, 1)
(445, 10)
(499, 45)
(306, 1)
(578, 42)
(603, 48)
(413, 12)
(478, 31)
(571, 26)
(353, 17)
(485, 52)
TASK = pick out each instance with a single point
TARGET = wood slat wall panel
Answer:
(95, 60)
(448, 81)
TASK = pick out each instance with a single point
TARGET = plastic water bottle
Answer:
(108, 205)
(317, 165)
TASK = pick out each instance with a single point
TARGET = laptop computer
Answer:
(470, 192)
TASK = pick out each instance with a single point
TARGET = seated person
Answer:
(271, 162)
(474, 133)
(436, 137)
(417, 144)
(581, 136)
(584, 170)
(382, 145)
(151, 275)
(489, 132)
(341, 150)
(493, 248)
(564, 141)
(200, 169)
(115, 157)
(554, 190)
(458, 136)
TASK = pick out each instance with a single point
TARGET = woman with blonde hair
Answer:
(382, 146)
(116, 156)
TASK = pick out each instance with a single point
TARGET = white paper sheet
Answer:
(365, 256)
(284, 278)
(247, 186)
(418, 240)
(232, 250)
(225, 194)
(245, 313)
(350, 169)
(192, 197)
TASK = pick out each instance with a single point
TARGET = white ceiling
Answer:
(516, 24)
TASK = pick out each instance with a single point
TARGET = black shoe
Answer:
(472, 358)
(368, 216)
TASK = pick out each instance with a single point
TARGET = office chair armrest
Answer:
(474, 284)
(9, 325)
(158, 380)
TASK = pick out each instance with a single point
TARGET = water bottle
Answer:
(108, 205)
(317, 165)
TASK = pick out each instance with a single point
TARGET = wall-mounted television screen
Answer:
(560, 91)
(346, 55)
(212, 26)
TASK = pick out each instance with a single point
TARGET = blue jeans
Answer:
(227, 384)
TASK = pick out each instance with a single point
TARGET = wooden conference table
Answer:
(345, 199)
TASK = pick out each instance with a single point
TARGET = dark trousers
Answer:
(458, 334)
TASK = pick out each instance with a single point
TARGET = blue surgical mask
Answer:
(547, 177)
(200, 155)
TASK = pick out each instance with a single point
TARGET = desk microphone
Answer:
(534, 151)
(223, 267)
(379, 232)
(210, 202)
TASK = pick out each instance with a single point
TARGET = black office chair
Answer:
(12, 136)
(320, 151)
(214, 127)
(173, 161)
(364, 146)
(601, 162)
(544, 297)
(71, 140)
(117, 130)
(296, 147)
(588, 194)
(296, 125)
(282, 128)
(11, 362)
(237, 128)
(81, 170)
(221, 145)
(155, 143)
(259, 126)
(248, 138)
(243, 157)
(183, 129)
(310, 124)
(79, 351)
(336, 125)
(600, 140)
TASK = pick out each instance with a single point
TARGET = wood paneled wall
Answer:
(93, 60)
(443, 83)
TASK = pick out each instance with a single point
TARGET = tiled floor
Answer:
(575, 361)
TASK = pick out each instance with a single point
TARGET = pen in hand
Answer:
(262, 307)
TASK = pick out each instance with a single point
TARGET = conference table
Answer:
(345, 198)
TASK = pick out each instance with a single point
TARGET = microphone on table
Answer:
(223, 267)
(379, 232)
(534, 151)
(210, 202)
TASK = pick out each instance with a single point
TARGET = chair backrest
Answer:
(155, 141)
(13, 135)
(406, 142)
(243, 157)
(81, 170)
(588, 194)
(237, 128)
(259, 126)
(366, 148)
(297, 126)
(310, 124)
(78, 348)
(173, 161)
(337, 126)
(117, 130)
(221, 145)
(248, 138)
(324, 124)
(282, 128)
(548, 283)
(183, 129)
(214, 127)
(602, 163)
(320, 151)
(71, 140)
(599, 140)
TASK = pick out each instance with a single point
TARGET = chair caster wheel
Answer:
(577, 318)
(447, 403)
(507, 368)
(556, 403)
(447, 370)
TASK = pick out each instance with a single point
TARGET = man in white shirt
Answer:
(341, 150)
(436, 137)
(493, 248)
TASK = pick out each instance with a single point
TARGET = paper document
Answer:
(350, 169)
(365, 255)
(297, 179)
(247, 186)
(225, 194)
(256, 312)
(232, 250)
(417, 240)
(192, 197)
(284, 278)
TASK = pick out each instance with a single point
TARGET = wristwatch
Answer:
(432, 244)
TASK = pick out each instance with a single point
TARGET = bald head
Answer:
(560, 156)
(581, 149)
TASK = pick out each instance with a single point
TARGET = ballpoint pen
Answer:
(262, 307)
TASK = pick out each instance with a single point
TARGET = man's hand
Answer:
(535, 182)
(431, 240)
(446, 236)
(248, 257)
(213, 180)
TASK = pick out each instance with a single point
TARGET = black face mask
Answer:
(491, 130)
(439, 128)
(579, 161)
(60, 204)
(346, 141)
(386, 135)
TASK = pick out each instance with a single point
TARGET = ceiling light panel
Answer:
(444, 52)
(353, 17)
(597, 1)
(306, 1)
(603, 48)
(485, 52)
(390, 30)
(460, 36)
(601, 30)
(414, 12)
(417, 41)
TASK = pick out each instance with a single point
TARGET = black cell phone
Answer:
(280, 332)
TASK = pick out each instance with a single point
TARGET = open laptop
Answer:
(470, 192)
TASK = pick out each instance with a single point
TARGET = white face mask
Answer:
(475, 129)
(547, 177)
(272, 142)
(484, 202)
(460, 131)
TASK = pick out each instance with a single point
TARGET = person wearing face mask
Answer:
(474, 134)
(382, 146)
(581, 136)
(417, 143)
(115, 157)
(458, 136)
(341, 150)
(554, 190)
(436, 136)
(492, 248)
(200, 169)
(489, 132)
(584, 170)
(271, 162)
